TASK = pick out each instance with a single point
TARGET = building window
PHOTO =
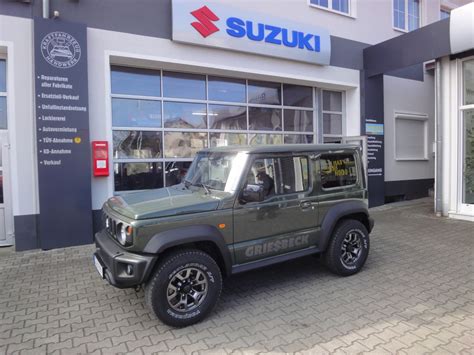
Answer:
(333, 117)
(339, 6)
(444, 14)
(411, 136)
(406, 14)
(160, 119)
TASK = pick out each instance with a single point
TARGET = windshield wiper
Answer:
(208, 191)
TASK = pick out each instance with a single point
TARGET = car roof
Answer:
(282, 148)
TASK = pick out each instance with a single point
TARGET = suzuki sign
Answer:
(217, 25)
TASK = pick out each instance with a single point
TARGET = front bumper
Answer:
(116, 263)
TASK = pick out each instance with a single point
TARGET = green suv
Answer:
(238, 209)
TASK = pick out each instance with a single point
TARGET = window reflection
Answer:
(137, 144)
(132, 81)
(184, 144)
(332, 101)
(136, 113)
(184, 115)
(332, 123)
(175, 171)
(298, 120)
(225, 139)
(259, 139)
(227, 117)
(264, 93)
(264, 119)
(298, 138)
(226, 89)
(183, 85)
(296, 95)
(138, 176)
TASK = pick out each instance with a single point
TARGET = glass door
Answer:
(468, 158)
(466, 138)
(6, 219)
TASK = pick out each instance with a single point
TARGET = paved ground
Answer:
(414, 296)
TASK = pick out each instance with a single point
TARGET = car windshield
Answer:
(216, 170)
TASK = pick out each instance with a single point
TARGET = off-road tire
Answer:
(333, 254)
(157, 288)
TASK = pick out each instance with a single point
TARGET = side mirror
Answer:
(252, 193)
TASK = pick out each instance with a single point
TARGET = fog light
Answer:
(129, 269)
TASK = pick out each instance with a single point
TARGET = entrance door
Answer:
(6, 219)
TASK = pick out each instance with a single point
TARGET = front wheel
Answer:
(185, 288)
(348, 248)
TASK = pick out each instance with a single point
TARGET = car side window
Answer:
(338, 170)
(279, 176)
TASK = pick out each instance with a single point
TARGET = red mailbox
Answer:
(100, 158)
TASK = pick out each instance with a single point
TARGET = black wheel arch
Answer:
(356, 210)
(203, 237)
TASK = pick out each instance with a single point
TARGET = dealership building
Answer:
(102, 98)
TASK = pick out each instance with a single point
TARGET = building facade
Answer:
(162, 79)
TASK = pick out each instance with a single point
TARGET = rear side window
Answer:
(338, 170)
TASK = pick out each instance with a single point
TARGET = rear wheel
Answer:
(348, 248)
(185, 288)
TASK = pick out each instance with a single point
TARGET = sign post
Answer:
(62, 132)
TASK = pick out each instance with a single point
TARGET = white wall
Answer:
(105, 47)
(408, 96)
(371, 24)
(16, 42)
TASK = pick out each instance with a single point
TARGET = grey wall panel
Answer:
(415, 47)
(96, 220)
(347, 53)
(143, 17)
(409, 189)
(26, 235)
(414, 72)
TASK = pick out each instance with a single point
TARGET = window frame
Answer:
(420, 20)
(398, 115)
(339, 188)
(342, 113)
(351, 4)
(406, 29)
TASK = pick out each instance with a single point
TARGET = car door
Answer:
(286, 219)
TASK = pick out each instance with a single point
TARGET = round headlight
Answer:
(122, 234)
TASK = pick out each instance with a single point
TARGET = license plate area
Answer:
(98, 266)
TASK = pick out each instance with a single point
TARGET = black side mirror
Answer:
(252, 193)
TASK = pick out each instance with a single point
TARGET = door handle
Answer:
(305, 205)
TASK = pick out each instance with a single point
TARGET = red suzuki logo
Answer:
(205, 17)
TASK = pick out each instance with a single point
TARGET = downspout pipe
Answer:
(45, 8)
(439, 142)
